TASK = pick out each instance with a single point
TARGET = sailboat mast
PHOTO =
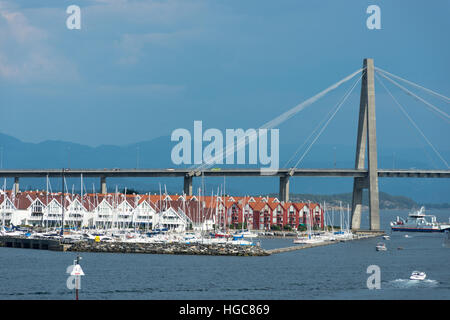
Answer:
(62, 202)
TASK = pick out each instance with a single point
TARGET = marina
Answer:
(166, 224)
(164, 247)
(299, 273)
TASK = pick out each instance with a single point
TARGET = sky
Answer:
(138, 70)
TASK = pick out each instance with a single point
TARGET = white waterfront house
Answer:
(144, 214)
(7, 209)
(103, 214)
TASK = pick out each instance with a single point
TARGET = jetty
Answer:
(133, 247)
(363, 234)
(169, 248)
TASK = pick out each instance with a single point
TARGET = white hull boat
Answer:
(418, 275)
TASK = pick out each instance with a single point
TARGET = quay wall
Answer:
(30, 243)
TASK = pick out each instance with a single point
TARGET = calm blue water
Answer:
(332, 272)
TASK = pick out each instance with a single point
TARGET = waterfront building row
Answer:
(150, 211)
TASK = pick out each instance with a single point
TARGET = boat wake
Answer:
(407, 283)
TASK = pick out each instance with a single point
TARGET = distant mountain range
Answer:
(156, 153)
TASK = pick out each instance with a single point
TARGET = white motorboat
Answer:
(386, 237)
(241, 242)
(418, 275)
(381, 247)
(245, 234)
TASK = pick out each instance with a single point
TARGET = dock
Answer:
(364, 234)
(32, 243)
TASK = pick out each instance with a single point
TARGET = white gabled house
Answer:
(172, 219)
(76, 214)
(53, 214)
(123, 214)
(35, 212)
(7, 209)
(103, 214)
(144, 214)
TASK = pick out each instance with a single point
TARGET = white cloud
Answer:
(25, 54)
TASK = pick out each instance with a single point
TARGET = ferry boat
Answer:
(417, 222)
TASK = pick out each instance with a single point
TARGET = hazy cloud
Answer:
(25, 55)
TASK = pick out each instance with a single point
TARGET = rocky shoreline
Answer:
(168, 248)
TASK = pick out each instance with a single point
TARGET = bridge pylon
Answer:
(367, 136)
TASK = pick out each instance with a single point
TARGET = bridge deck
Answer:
(382, 173)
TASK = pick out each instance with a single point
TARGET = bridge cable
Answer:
(320, 124)
(433, 107)
(446, 99)
(274, 122)
(338, 107)
(413, 123)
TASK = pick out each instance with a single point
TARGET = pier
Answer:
(32, 243)
(359, 236)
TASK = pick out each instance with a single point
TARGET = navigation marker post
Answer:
(77, 272)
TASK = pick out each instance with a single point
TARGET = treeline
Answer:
(387, 201)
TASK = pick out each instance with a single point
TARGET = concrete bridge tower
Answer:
(367, 136)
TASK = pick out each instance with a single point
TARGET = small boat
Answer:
(406, 236)
(381, 247)
(245, 234)
(386, 237)
(418, 275)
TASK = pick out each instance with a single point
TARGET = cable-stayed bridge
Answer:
(366, 149)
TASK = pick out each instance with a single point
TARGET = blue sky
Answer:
(140, 69)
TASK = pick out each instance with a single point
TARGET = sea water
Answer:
(337, 271)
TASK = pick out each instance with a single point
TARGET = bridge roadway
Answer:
(120, 173)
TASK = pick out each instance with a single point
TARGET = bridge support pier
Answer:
(366, 136)
(284, 189)
(103, 188)
(187, 185)
(16, 185)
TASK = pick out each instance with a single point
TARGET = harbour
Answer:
(286, 275)
(159, 248)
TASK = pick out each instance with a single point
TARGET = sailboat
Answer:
(310, 239)
(244, 233)
(344, 233)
